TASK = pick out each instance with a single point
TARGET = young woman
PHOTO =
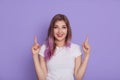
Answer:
(59, 58)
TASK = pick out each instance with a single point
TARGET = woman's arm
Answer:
(38, 68)
(35, 51)
(78, 61)
(43, 65)
(82, 67)
(83, 64)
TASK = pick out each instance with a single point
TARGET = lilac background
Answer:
(20, 20)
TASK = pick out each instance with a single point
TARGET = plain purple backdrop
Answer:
(20, 20)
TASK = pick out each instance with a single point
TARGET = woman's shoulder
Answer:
(43, 46)
(76, 50)
(74, 45)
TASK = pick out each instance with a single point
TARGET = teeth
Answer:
(60, 35)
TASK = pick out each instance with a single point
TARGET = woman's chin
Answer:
(60, 39)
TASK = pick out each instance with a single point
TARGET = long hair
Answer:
(50, 40)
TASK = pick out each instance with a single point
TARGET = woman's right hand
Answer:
(35, 47)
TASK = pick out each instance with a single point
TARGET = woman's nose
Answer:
(59, 30)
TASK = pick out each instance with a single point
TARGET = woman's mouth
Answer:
(59, 35)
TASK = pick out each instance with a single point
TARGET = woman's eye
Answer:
(55, 27)
(64, 27)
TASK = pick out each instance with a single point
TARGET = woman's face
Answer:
(60, 30)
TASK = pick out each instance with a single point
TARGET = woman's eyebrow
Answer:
(55, 25)
(64, 25)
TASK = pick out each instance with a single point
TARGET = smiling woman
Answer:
(60, 31)
(60, 59)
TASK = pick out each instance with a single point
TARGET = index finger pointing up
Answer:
(86, 40)
(35, 39)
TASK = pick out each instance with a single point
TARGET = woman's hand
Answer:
(86, 47)
(83, 66)
(35, 47)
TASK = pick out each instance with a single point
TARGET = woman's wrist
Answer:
(87, 56)
(35, 55)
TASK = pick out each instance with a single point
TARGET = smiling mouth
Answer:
(59, 35)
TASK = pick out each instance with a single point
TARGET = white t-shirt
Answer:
(61, 64)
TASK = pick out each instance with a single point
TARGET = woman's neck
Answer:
(60, 43)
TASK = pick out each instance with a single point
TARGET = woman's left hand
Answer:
(86, 47)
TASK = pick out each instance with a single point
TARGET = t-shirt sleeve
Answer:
(77, 51)
(42, 50)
